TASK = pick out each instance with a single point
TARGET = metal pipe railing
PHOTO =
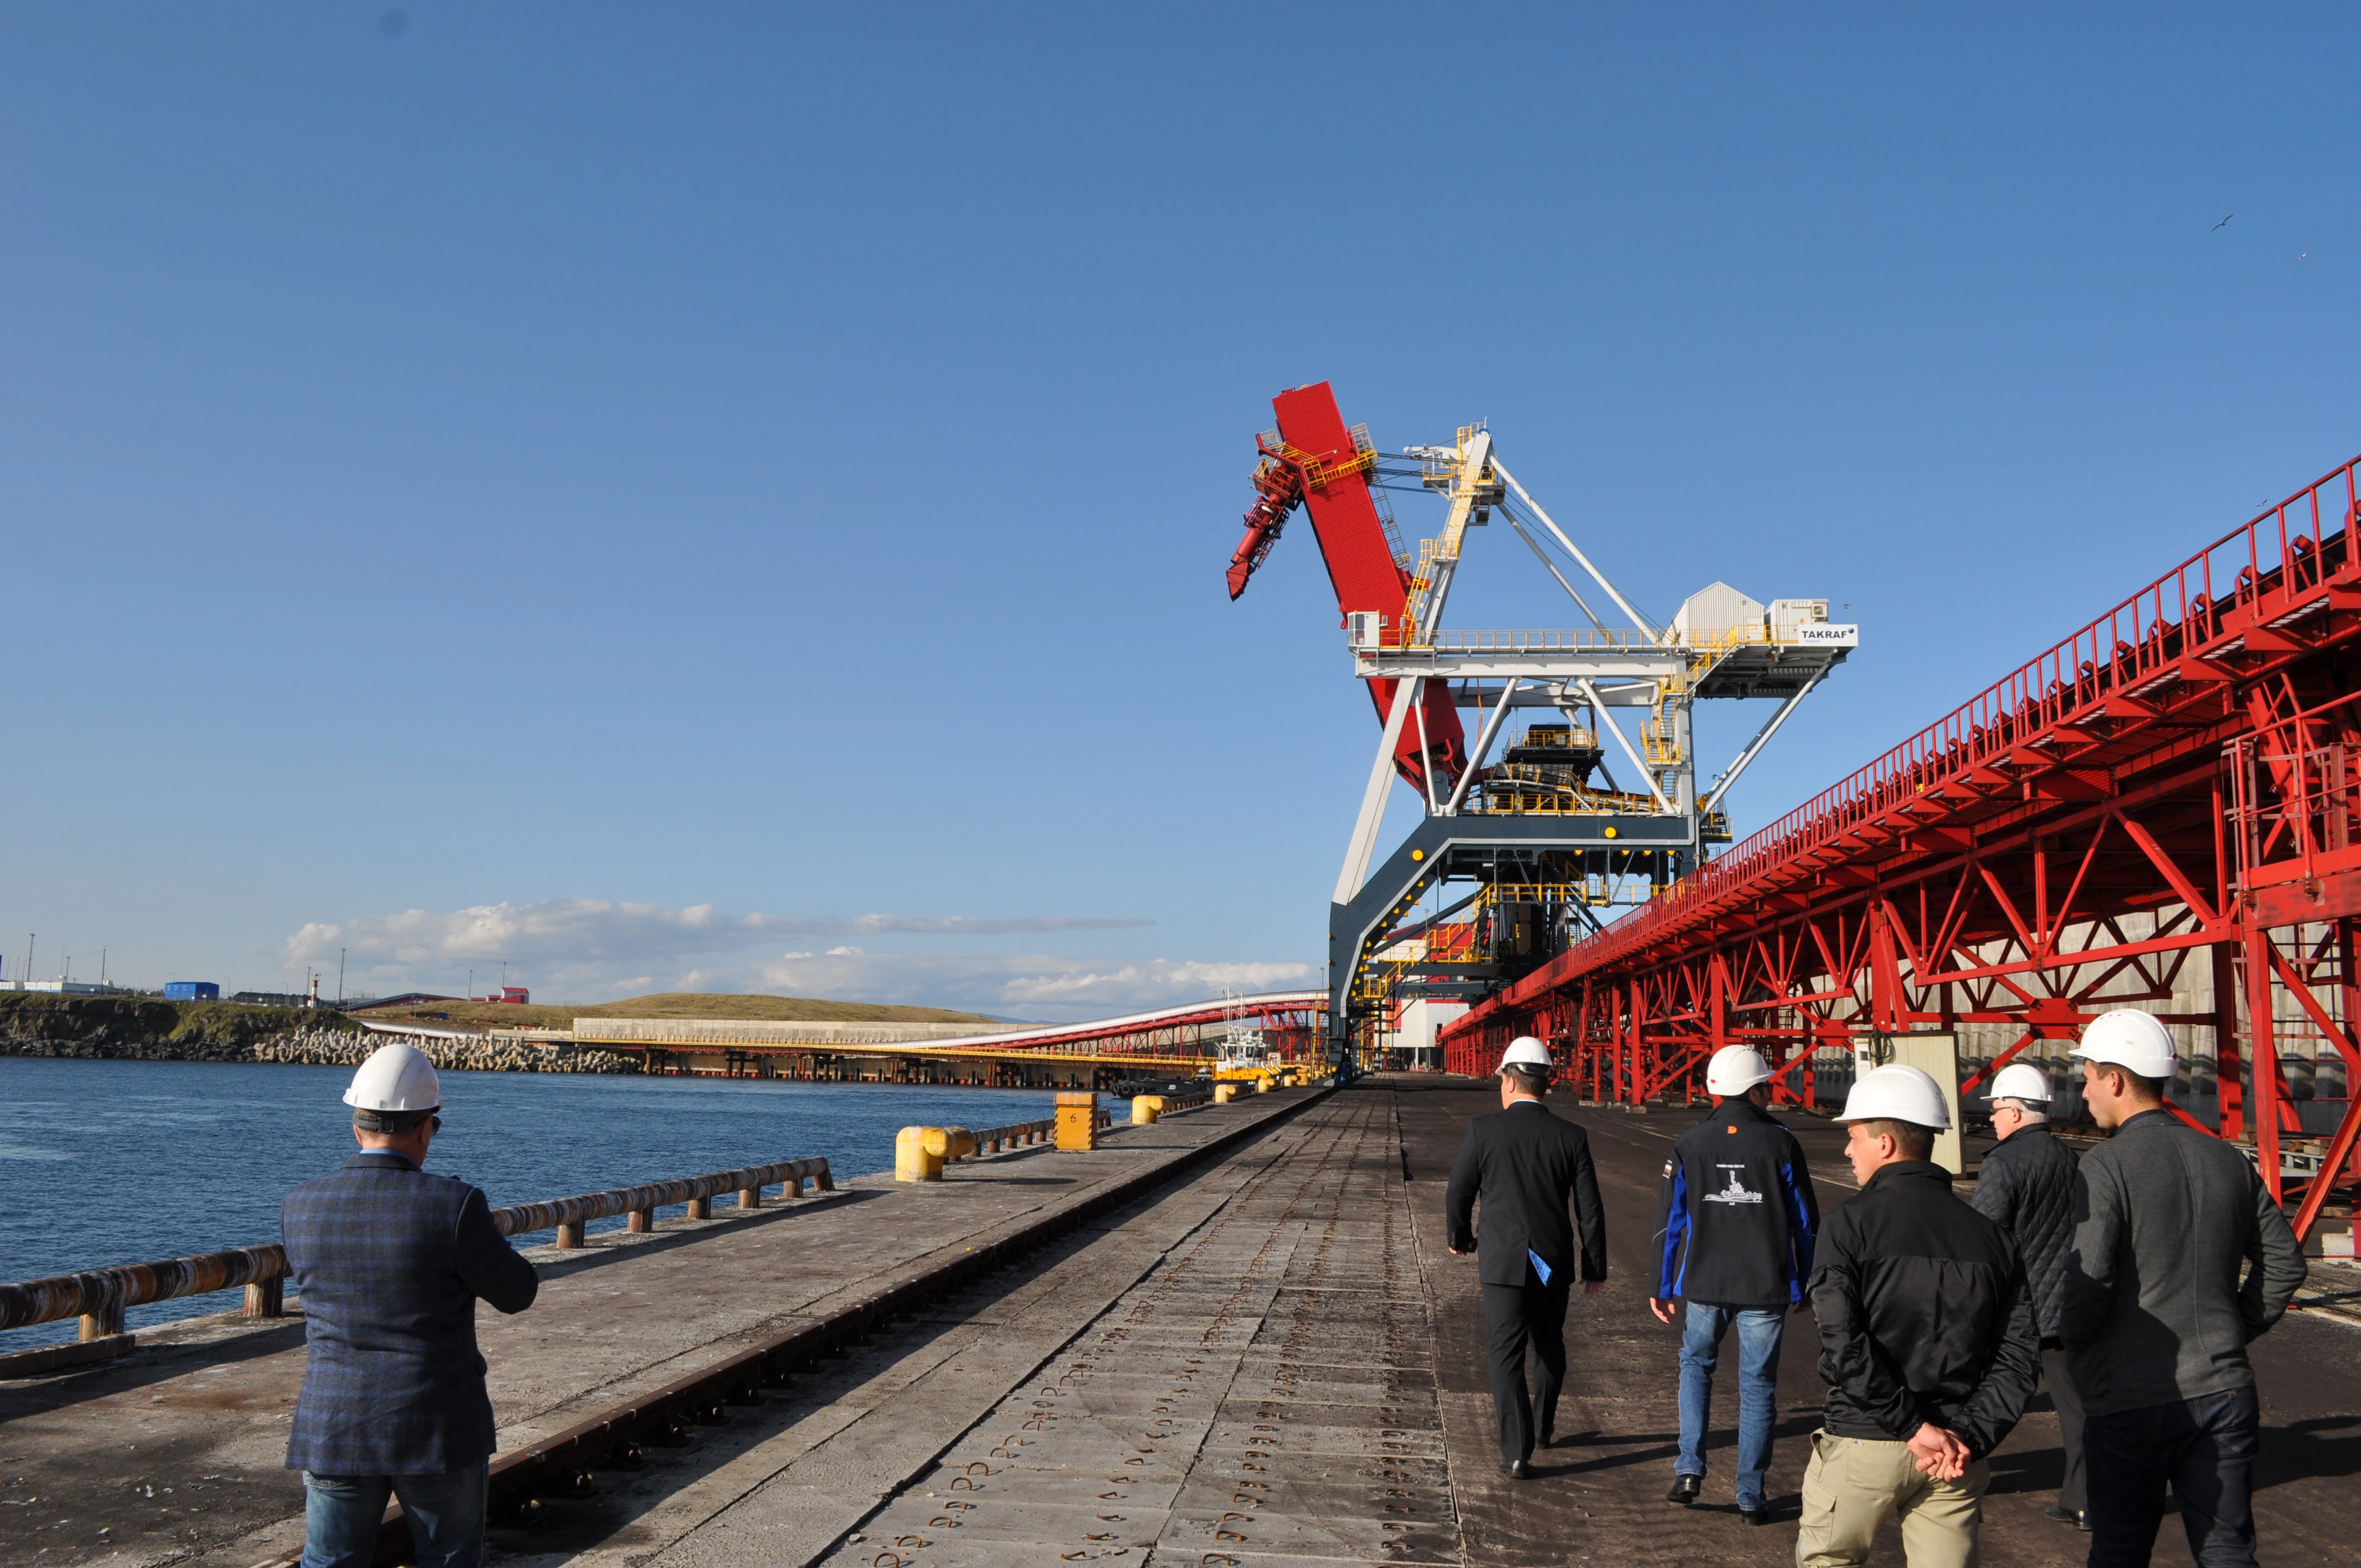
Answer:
(100, 1297)
(992, 1140)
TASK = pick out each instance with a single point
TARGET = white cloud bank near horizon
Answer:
(591, 950)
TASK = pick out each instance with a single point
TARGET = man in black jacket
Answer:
(2026, 1186)
(1736, 1223)
(1524, 1164)
(1926, 1342)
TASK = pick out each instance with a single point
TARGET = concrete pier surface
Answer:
(1267, 1359)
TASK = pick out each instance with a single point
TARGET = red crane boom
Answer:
(1318, 465)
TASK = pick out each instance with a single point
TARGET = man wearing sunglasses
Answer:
(390, 1263)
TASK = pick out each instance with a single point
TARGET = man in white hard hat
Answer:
(390, 1263)
(2026, 1186)
(1525, 1165)
(1927, 1342)
(2156, 1320)
(1738, 1217)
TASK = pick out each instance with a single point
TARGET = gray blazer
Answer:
(2153, 1312)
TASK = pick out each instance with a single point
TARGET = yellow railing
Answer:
(1559, 737)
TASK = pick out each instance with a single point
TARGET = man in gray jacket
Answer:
(2156, 1321)
(2026, 1186)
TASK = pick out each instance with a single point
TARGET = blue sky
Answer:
(736, 496)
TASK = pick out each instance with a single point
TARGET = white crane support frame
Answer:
(1500, 822)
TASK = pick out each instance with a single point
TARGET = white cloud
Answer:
(579, 947)
(950, 926)
(577, 930)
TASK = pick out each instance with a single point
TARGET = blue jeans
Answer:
(1759, 1333)
(340, 1515)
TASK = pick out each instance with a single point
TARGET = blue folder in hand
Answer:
(1539, 1267)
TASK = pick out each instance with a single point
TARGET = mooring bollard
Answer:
(912, 1160)
(267, 1299)
(1225, 1092)
(1145, 1108)
(1078, 1119)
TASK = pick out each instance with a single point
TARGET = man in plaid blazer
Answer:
(390, 1263)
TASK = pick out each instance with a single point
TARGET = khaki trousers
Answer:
(1853, 1486)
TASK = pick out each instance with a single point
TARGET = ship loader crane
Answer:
(1546, 835)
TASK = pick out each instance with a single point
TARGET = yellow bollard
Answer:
(950, 1144)
(1145, 1108)
(917, 1154)
(1078, 1119)
(1225, 1092)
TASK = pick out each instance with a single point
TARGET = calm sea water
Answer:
(104, 1162)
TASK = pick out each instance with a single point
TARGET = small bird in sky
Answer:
(2225, 220)
(2305, 256)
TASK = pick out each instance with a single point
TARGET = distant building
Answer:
(62, 987)
(517, 994)
(191, 990)
(272, 998)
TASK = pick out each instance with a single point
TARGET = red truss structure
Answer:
(2173, 785)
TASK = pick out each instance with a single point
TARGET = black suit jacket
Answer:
(1525, 1163)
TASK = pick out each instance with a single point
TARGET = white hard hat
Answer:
(2130, 1039)
(2021, 1080)
(1735, 1070)
(396, 1077)
(1526, 1052)
(1897, 1093)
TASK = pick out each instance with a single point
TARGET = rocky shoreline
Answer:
(111, 1029)
(336, 1048)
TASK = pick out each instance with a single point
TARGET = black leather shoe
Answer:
(2078, 1517)
(1685, 1489)
(1516, 1470)
(1755, 1516)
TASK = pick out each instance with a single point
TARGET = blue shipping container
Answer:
(191, 990)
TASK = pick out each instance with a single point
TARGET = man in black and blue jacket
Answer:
(1737, 1223)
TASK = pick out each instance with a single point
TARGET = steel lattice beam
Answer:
(2177, 784)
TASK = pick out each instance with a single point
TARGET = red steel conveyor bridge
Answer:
(2162, 810)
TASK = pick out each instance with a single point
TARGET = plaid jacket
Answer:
(389, 1262)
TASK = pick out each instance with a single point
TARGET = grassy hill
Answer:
(679, 1004)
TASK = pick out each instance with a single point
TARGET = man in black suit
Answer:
(1524, 1164)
